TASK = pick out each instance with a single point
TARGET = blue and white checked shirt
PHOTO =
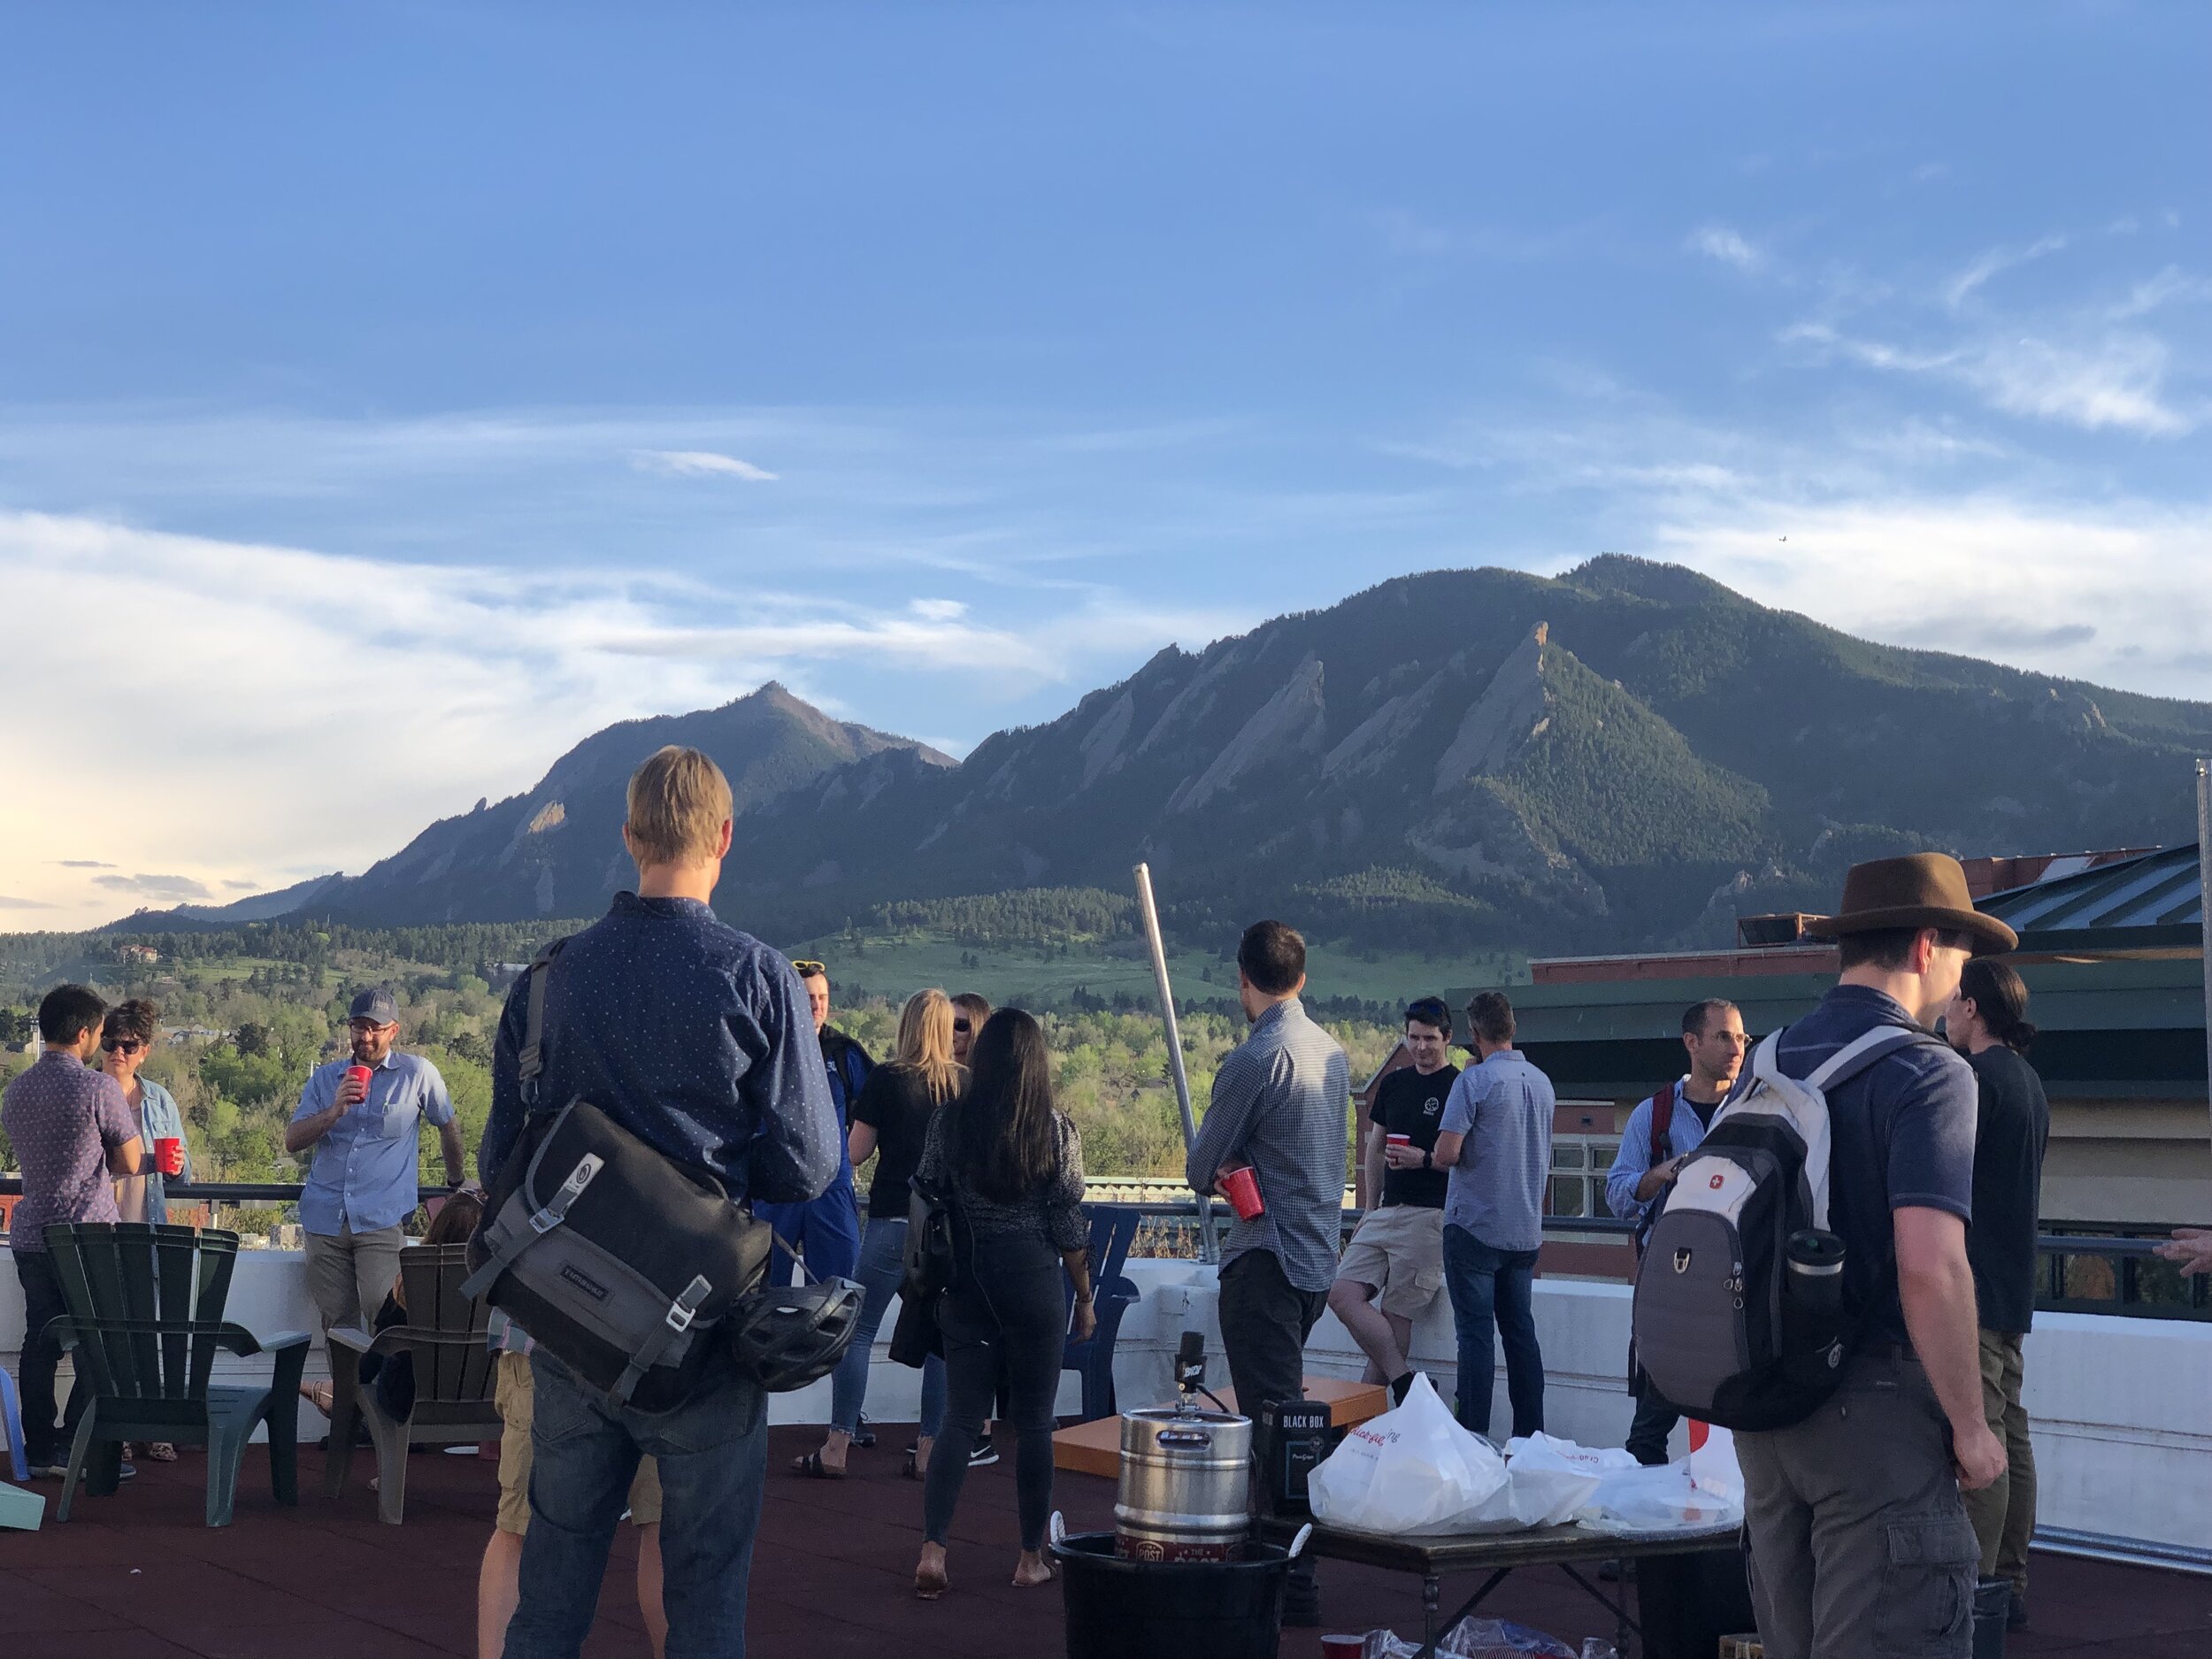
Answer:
(1281, 1102)
(1504, 1108)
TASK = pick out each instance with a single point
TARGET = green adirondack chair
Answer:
(145, 1322)
(443, 1342)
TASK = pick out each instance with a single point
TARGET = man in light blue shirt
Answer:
(1662, 1132)
(1496, 1141)
(361, 1185)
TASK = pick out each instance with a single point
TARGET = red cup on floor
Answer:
(169, 1154)
(1343, 1647)
(364, 1074)
(1242, 1188)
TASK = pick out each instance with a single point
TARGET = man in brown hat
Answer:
(1860, 1544)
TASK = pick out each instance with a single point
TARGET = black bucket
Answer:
(1992, 1606)
(1143, 1609)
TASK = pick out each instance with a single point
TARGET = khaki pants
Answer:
(1860, 1547)
(515, 1393)
(2003, 1512)
(350, 1273)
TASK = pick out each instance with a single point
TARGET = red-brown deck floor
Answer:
(137, 1577)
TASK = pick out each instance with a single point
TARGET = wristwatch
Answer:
(1428, 1158)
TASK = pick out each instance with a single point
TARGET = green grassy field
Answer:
(894, 965)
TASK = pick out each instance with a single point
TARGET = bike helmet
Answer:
(786, 1339)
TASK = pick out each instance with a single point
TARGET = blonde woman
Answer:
(891, 1120)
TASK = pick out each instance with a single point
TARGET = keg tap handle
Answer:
(1190, 1367)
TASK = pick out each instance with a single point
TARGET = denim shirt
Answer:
(1684, 1129)
(692, 1035)
(160, 1120)
(366, 1170)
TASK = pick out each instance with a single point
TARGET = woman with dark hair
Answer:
(127, 1037)
(1988, 1020)
(1010, 1167)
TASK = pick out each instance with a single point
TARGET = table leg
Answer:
(1625, 1629)
(1431, 1593)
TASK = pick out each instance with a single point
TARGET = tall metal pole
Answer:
(2204, 904)
(1150, 914)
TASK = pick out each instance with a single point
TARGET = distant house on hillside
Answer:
(138, 955)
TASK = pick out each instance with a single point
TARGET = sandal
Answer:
(161, 1452)
(319, 1395)
(912, 1470)
(812, 1466)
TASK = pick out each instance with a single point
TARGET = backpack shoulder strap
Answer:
(1663, 1125)
(530, 1062)
(1869, 1048)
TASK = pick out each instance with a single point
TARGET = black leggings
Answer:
(1007, 1311)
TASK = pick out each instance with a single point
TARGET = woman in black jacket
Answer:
(1012, 1168)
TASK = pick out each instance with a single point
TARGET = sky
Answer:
(392, 394)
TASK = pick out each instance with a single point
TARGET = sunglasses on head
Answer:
(810, 970)
(121, 1045)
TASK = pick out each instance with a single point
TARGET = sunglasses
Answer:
(121, 1045)
(961, 1025)
(810, 970)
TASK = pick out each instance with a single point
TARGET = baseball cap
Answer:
(375, 1004)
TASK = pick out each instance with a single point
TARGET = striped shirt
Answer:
(1281, 1102)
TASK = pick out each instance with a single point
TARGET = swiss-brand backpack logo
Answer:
(1719, 1180)
(1681, 1261)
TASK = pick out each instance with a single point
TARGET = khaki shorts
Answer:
(1399, 1251)
(514, 1393)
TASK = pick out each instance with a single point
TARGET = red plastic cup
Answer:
(364, 1074)
(169, 1154)
(1242, 1188)
(1343, 1647)
(1399, 1141)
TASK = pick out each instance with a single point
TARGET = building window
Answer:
(1579, 1167)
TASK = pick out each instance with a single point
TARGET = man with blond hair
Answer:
(697, 1038)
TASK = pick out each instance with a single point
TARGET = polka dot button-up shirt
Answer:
(62, 1117)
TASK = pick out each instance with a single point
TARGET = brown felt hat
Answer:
(1924, 890)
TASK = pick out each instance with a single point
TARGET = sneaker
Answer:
(127, 1471)
(46, 1471)
(865, 1436)
(984, 1455)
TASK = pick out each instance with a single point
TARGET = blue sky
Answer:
(391, 394)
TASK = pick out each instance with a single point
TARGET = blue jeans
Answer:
(713, 1454)
(826, 1231)
(882, 1267)
(1492, 1297)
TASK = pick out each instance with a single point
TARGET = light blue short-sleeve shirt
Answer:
(366, 1169)
(1504, 1108)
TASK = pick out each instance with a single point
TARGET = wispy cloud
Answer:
(82, 863)
(938, 609)
(2173, 285)
(154, 886)
(1718, 241)
(9, 903)
(1985, 265)
(702, 464)
(2115, 381)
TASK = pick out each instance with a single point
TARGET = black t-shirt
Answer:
(1412, 1105)
(2012, 1125)
(895, 1103)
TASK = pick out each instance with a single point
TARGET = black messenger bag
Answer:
(619, 1262)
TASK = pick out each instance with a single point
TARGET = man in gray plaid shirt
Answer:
(1279, 1105)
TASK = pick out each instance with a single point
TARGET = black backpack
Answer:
(636, 1271)
(1738, 1317)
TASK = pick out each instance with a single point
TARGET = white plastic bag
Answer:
(1411, 1470)
(1713, 1465)
(1661, 1499)
(1555, 1479)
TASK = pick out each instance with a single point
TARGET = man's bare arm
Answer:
(1936, 1287)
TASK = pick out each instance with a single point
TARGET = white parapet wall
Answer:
(2121, 1409)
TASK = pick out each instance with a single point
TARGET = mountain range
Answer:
(1625, 755)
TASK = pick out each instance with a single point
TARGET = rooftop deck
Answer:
(138, 1577)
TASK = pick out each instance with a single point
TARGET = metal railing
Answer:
(2079, 1271)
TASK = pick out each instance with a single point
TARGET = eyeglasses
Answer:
(121, 1045)
(809, 970)
(363, 1026)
